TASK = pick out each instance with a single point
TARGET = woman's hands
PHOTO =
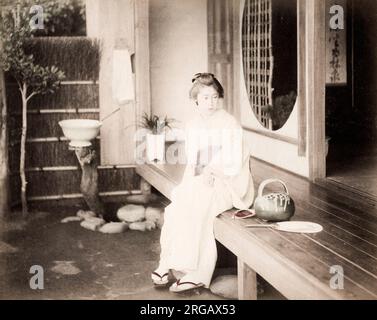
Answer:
(209, 175)
(215, 172)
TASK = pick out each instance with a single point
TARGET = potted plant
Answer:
(155, 138)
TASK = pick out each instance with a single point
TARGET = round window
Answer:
(269, 56)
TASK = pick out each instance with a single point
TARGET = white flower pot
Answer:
(155, 147)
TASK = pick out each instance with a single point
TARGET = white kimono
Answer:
(187, 238)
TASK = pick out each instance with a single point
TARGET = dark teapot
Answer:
(277, 206)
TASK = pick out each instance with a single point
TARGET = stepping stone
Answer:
(113, 227)
(131, 213)
(225, 286)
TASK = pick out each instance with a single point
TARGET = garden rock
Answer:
(71, 219)
(143, 226)
(113, 227)
(150, 225)
(160, 222)
(225, 286)
(92, 223)
(85, 214)
(131, 213)
(138, 226)
(155, 215)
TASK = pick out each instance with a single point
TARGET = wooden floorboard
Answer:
(309, 193)
(349, 238)
(357, 238)
(357, 218)
(357, 195)
(363, 261)
(354, 170)
(312, 258)
(343, 205)
(355, 245)
(317, 191)
(344, 244)
(358, 282)
(334, 214)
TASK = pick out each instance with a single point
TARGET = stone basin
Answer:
(80, 131)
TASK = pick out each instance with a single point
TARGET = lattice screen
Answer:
(258, 62)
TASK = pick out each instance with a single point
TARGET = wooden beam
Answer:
(160, 176)
(116, 30)
(272, 135)
(301, 47)
(93, 12)
(79, 195)
(142, 68)
(247, 282)
(220, 46)
(316, 85)
(71, 168)
(66, 83)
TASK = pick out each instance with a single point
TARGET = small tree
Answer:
(32, 79)
(4, 171)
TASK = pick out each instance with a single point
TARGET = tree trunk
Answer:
(4, 171)
(89, 180)
(23, 152)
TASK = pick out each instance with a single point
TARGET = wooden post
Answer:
(301, 53)
(113, 23)
(89, 180)
(220, 46)
(121, 24)
(316, 86)
(142, 67)
(247, 282)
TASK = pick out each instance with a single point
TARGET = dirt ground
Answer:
(79, 263)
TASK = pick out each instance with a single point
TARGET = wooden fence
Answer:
(52, 170)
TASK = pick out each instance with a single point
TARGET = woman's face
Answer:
(207, 100)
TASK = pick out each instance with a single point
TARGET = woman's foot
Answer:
(180, 286)
(160, 277)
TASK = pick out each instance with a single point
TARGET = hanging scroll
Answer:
(336, 42)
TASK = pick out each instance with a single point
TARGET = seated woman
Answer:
(217, 178)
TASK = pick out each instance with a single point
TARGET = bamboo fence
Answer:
(52, 170)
